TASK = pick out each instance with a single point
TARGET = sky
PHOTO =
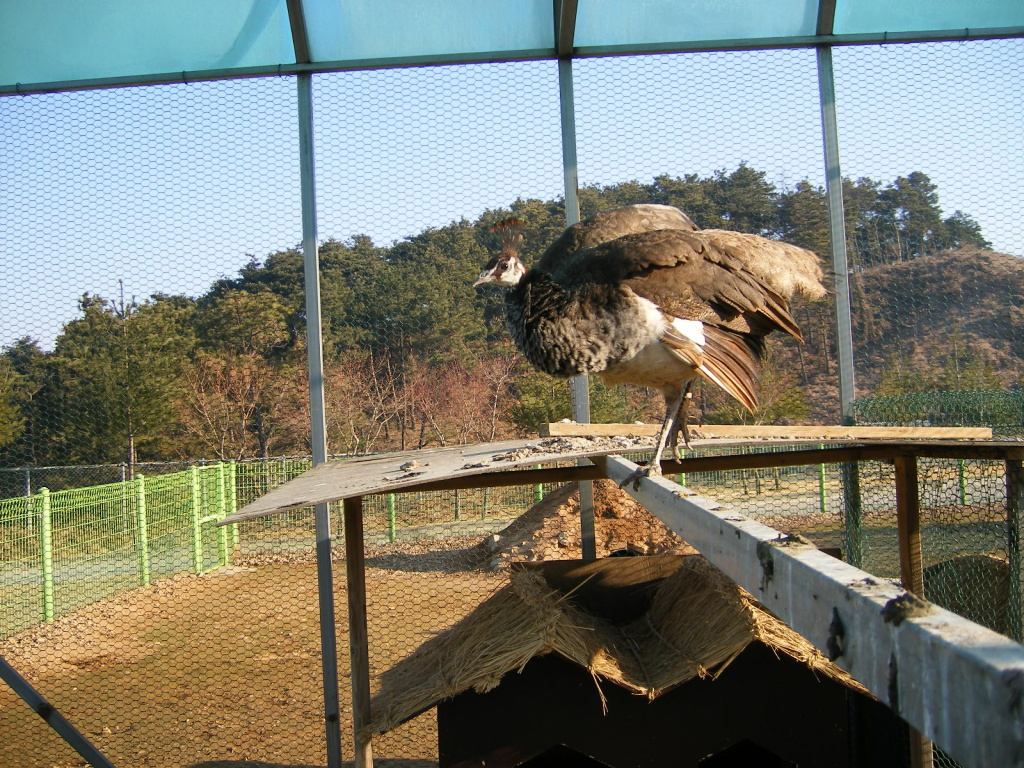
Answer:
(169, 188)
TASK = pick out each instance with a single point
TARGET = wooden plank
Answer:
(960, 684)
(359, 649)
(365, 475)
(478, 466)
(571, 429)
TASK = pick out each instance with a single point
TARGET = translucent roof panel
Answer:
(59, 40)
(636, 22)
(869, 16)
(58, 44)
(342, 30)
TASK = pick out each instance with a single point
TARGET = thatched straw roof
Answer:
(691, 621)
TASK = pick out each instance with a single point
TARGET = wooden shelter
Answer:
(633, 661)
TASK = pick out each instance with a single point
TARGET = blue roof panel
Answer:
(59, 40)
(56, 44)
(870, 16)
(600, 23)
(346, 30)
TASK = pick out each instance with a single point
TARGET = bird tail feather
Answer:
(731, 361)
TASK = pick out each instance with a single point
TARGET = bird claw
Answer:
(639, 473)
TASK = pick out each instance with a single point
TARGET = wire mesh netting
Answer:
(153, 369)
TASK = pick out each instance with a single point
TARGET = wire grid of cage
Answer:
(413, 358)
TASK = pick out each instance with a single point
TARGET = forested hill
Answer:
(414, 356)
(951, 320)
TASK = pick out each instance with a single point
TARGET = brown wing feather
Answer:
(610, 225)
(684, 276)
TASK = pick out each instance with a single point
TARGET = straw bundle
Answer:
(697, 622)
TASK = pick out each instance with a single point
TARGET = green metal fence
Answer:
(62, 550)
(1002, 410)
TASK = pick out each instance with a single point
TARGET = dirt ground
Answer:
(224, 670)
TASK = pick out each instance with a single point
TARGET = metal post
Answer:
(233, 501)
(53, 718)
(837, 232)
(222, 511)
(46, 552)
(197, 516)
(355, 573)
(578, 384)
(853, 513)
(1014, 519)
(318, 422)
(392, 534)
(142, 527)
(908, 521)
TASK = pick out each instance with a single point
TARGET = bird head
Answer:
(505, 269)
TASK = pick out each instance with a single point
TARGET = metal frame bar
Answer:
(53, 718)
(578, 386)
(565, 27)
(534, 54)
(837, 232)
(314, 347)
(300, 38)
(958, 683)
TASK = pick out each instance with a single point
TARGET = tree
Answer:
(803, 218)
(244, 378)
(113, 377)
(12, 423)
(745, 201)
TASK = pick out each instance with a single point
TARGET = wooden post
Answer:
(355, 573)
(908, 521)
(908, 517)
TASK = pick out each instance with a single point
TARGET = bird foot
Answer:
(639, 473)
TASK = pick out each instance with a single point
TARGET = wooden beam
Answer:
(572, 429)
(960, 684)
(359, 652)
(908, 516)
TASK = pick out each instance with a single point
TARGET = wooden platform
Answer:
(958, 683)
(492, 464)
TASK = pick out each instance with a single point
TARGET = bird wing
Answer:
(686, 277)
(735, 286)
(611, 225)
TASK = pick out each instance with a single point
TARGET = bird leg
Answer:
(668, 429)
(682, 424)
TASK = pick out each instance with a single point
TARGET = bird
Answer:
(641, 295)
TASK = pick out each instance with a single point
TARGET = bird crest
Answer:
(509, 236)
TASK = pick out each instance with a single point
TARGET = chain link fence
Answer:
(156, 339)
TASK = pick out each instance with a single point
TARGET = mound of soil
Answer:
(550, 529)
